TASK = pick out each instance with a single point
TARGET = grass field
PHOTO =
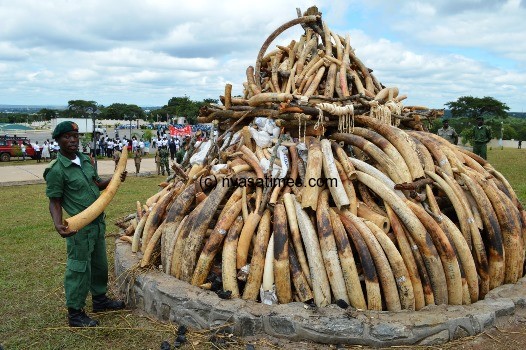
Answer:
(512, 164)
(32, 262)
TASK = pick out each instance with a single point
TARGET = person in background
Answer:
(124, 146)
(45, 151)
(481, 137)
(141, 146)
(137, 157)
(23, 149)
(171, 146)
(134, 143)
(157, 159)
(55, 150)
(520, 144)
(164, 154)
(448, 132)
(177, 144)
(118, 144)
(116, 155)
(38, 152)
(110, 147)
(180, 154)
(101, 147)
(72, 185)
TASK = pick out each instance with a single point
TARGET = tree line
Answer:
(462, 114)
(176, 106)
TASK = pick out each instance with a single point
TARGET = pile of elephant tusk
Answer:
(314, 193)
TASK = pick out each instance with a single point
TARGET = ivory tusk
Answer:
(89, 214)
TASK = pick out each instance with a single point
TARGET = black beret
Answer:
(64, 127)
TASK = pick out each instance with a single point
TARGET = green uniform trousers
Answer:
(481, 149)
(87, 265)
(165, 165)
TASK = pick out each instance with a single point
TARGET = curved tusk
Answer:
(89, 214)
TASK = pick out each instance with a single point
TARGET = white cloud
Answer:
(146, 52)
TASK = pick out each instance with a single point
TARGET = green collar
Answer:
(66, 162)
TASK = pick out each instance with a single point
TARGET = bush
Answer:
(466, 136)
(147, 135)
(17, 151)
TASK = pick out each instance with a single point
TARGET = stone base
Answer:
(170, 299)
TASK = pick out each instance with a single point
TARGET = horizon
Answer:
(146, 106)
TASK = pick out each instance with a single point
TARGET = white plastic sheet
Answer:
(199, 156)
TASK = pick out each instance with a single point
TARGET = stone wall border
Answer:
(169, 299)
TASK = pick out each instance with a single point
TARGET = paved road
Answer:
(24, 174)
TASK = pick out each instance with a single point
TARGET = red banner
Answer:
(187, 130)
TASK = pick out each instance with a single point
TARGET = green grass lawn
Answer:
(32, 262)
(511, 163)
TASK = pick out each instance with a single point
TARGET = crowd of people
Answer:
(46, 152)
(166, 148)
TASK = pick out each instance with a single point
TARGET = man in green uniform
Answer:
(73, 185)
(179, 156)
(137, 157)
(481, 137)
(448, 132)
(164, 154)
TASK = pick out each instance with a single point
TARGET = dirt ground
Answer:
(509, 333)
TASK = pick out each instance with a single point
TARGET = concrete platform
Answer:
(169, 299)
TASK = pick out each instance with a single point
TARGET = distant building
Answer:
(179, 120)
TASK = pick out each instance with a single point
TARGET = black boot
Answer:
(103, 303)
(78, 318)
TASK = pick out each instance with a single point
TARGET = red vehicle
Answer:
(10, 147)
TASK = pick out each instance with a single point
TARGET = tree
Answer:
(120, 110)
(474, 107)
(79, 109)
(47, 114)
(509, 132)
(182, 107)
(147, 135)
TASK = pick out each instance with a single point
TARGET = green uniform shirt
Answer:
(73, 183)
(164, 154)
(481, 134)
(87, 263)
(179, 156)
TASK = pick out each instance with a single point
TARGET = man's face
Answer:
(480, 122)
(445, 125)
(69, 141)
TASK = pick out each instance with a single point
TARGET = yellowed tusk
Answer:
(89, 214)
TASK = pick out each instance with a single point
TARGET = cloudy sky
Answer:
(145, 52)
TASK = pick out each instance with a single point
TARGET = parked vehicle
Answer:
(127, 126)
(10, 147)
